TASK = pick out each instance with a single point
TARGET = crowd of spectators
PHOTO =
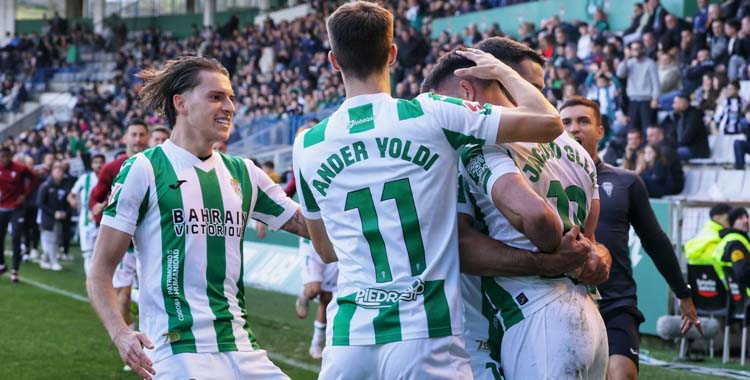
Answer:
(663, 85)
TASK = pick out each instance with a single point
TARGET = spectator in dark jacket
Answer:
(657, 19)
(693, 74)
(54, 209)
(691, 133)
(655, 136)
(654, 172)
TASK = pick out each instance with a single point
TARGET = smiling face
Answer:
(208, 108)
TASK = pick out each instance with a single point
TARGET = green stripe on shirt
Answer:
(180, 319)
(216, 262)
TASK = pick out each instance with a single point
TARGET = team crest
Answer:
(236, 186)
(607, 186)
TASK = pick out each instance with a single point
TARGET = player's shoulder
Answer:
(624, 176)
(312, 136)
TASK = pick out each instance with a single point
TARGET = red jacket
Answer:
(15, 180)
(100, 192)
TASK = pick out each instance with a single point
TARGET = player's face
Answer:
(96, 165)
(157, 138)
(210, 106)
(580, 121)
(136, 138)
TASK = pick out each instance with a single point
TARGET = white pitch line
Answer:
(46, 287)
(271, 355)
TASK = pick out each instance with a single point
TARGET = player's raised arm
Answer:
(534, 120)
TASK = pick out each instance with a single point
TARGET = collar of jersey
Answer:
(187, 158)
(364, 99)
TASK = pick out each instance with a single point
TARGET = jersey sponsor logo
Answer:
(374, 298)
(737, 255)
(113, 194)
(608, 187)
(210, 222)
(353, 123)
(177, 184)
(173, 281)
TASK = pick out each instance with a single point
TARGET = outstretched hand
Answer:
(130, 344)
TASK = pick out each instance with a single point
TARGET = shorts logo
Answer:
(634, 351)
(522, 299)
(607, 186)
(373, 298)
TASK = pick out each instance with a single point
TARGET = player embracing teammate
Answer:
(378, 187)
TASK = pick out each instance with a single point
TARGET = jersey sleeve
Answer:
(77, 187)
(483, 166)
(462, 121)
(128, 197)
(272, 206)
(463, 205)
(307, 201)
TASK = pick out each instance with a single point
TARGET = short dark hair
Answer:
(269, 164)
(98, 155)
(635, 130)
(159, 129)
(581, 101)
(719, 209)
(735, 214)
(178, 76)
(734, 23)
(361, 35)
(444, 69)
(510, 52)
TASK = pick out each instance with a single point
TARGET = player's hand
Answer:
(654, 103)
(596, 270)
(689, 316)
(487, 66)
(570, 254)
(97, 208)
(21, 198)
(130, 343)
(261, 230)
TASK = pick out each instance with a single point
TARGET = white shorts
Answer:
(233, 365)
(126, 273)
(564, 340)
(316, 270)
(417, 359)
(87, 236)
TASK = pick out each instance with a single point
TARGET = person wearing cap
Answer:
(691, 135)
(699, 250)
(734, 249)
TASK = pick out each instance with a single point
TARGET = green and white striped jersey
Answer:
(482, 329)
(188, 219)
(82, 190)
(564, 174)
(380, 172)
